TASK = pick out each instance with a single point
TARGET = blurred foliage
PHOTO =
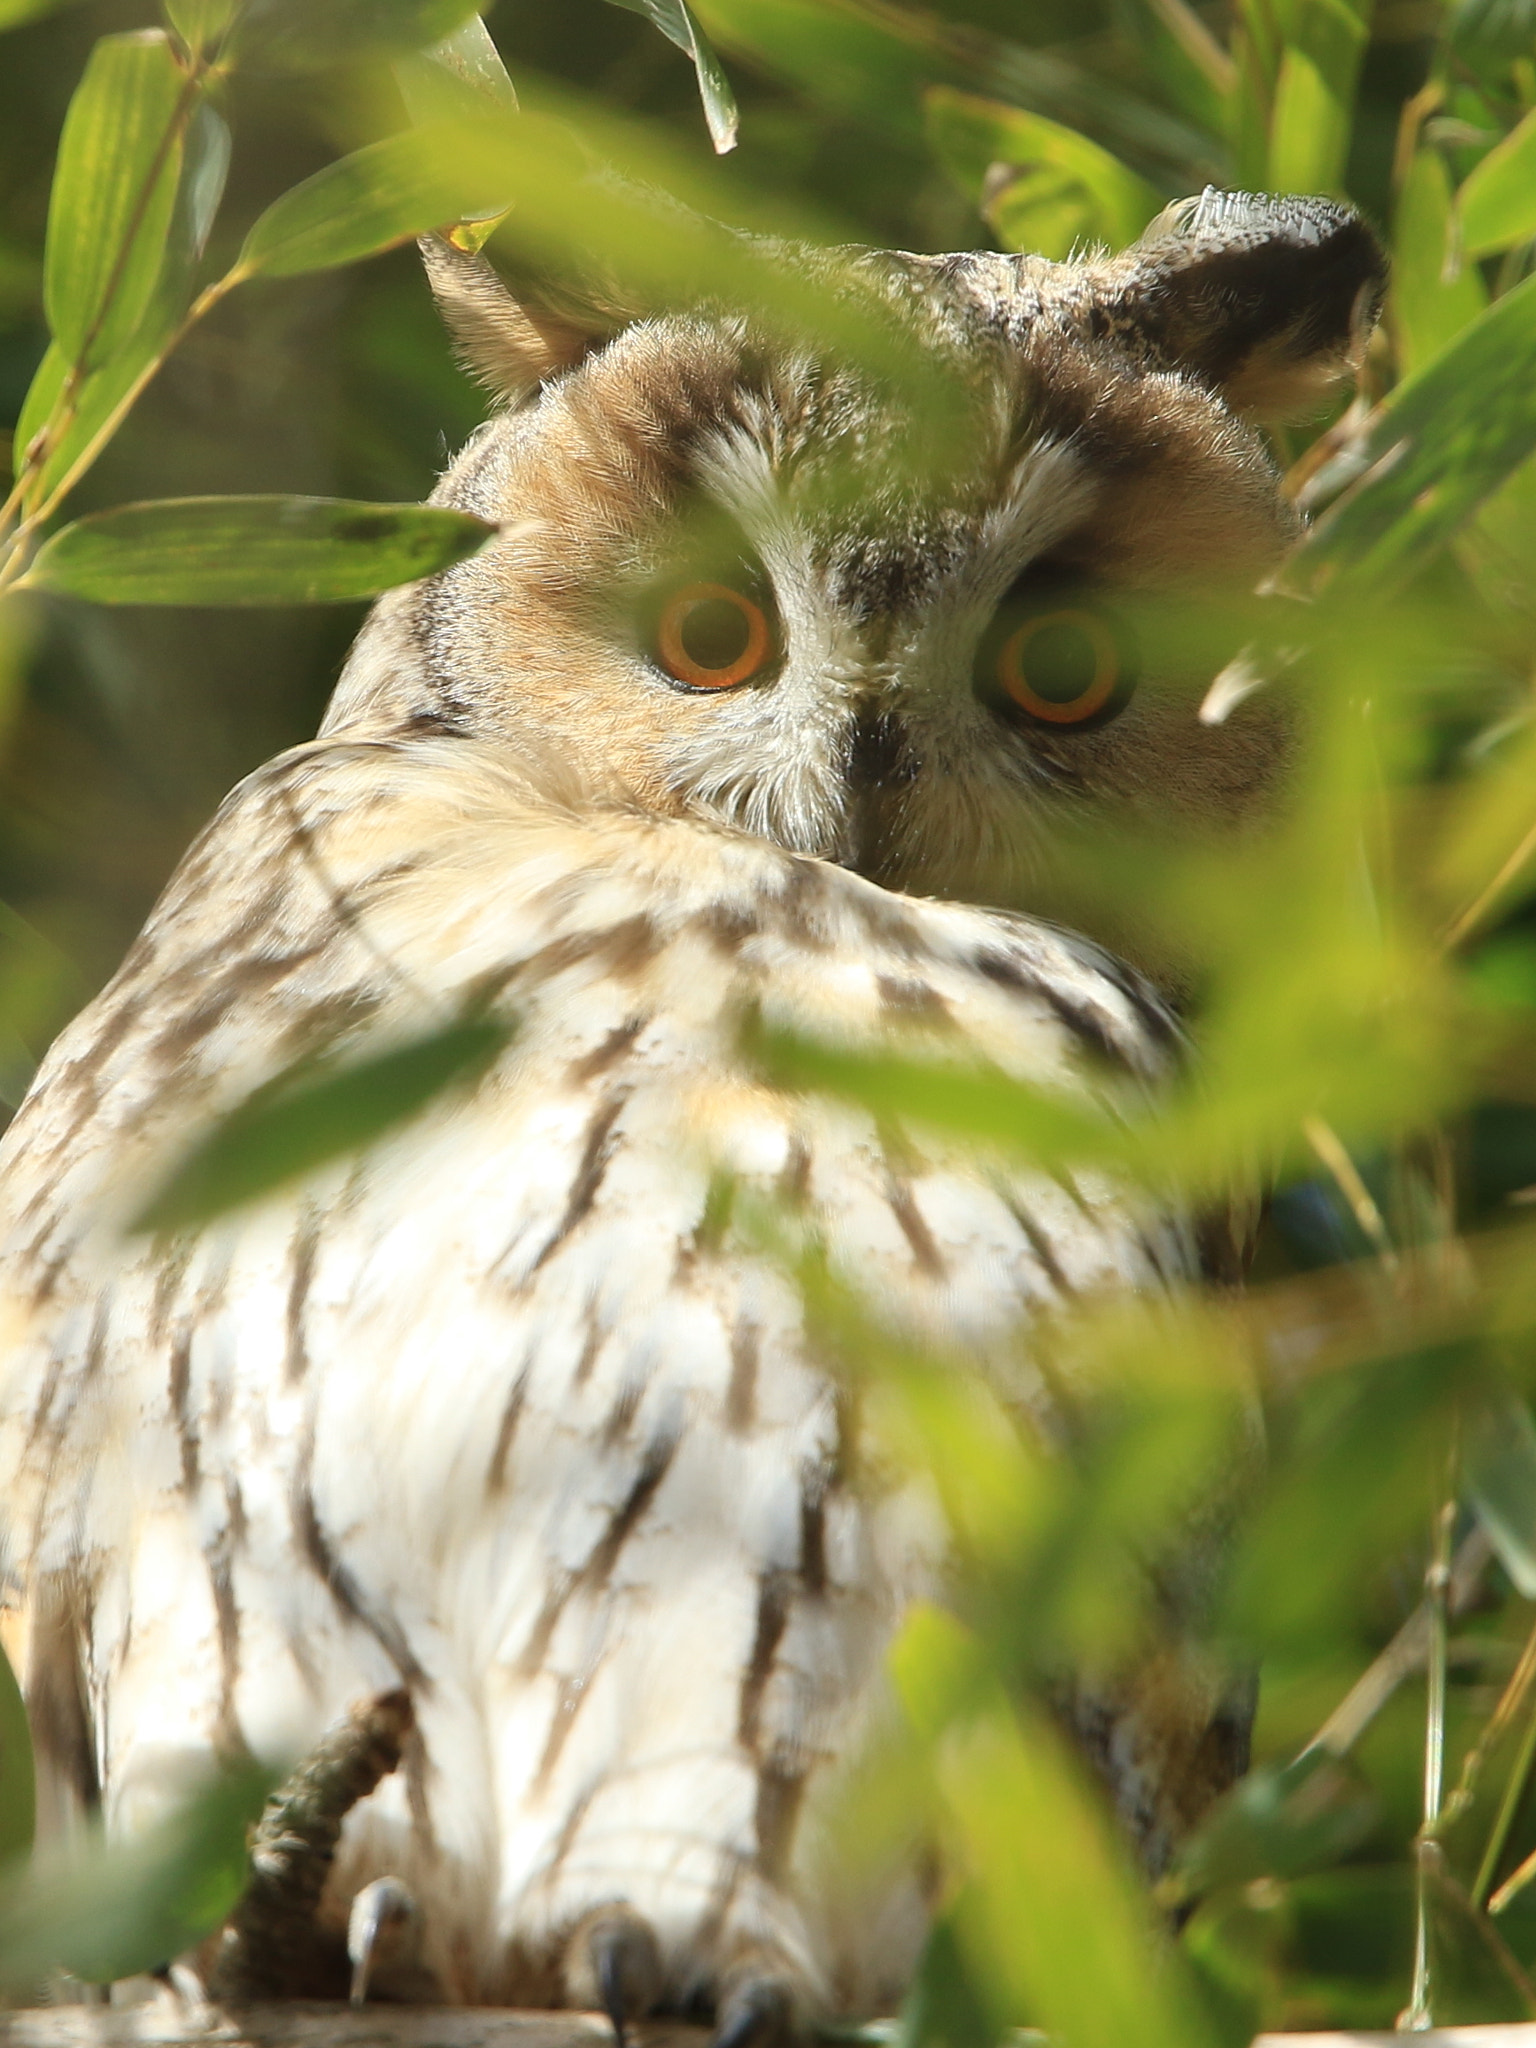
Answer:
(189, 315)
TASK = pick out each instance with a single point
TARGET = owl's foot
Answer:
(612, 1961)
(271, 1945)
(384, 1943)
(758, 2009)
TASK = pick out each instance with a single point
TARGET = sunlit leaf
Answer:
(74, 417)
(1279, 1821)
(18, 1794)
(103, 1913)
(1428, 309)
(1443, 442)
(463, 70)
(252, 550)
(1500, 1457)
(1050, 1918)
(299, 35)
(200, 23)
(1496, 206)
(677, 22)
(873, 63)
(14, 12)
(313, 1114)
(114, 191)
(979, 141)
(389, 192)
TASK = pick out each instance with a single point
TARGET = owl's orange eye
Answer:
(1064, 667)
(712, 637)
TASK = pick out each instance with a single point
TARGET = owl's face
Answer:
(726, 588)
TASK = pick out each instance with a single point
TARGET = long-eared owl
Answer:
(745, 712)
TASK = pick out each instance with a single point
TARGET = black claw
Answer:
(610, 1984)
(759, 2012)
(615, 1953)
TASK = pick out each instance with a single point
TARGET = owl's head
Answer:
(728, 587)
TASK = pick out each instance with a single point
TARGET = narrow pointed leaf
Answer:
(1428, 309)
(73, 422)
(106, 1912)
(390, 192)
(1442, 444)
(114, 193)
(1501, 1483)
(679, 24)
(309, 1116)
(14, 12)
(200, 23)
(1497, 204)
(307, 35)
(252, 550)
(463, 70)
(977, 138)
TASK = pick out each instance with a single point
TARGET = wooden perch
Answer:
(168, 2022)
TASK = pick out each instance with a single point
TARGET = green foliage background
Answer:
(1366, 984)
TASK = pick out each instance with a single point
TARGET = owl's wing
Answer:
(509, 1407)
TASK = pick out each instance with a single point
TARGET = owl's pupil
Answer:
(1060, 663)
(715, 633)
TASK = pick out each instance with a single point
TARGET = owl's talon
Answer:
(383, 1929)
(757, 2012)
(612, 1961)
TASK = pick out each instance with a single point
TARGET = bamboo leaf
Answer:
(1501, 1482)
(200, 23)
(106, 1912)
(14, 12)
(1442, 444)
(268, 550)
(114, 192)
(463, 71)
(301, 35)
(389, 192)
(679, 24)
(1497, 204)
(1428, 310)
(309, 1116)
(1096, 197)
(74, 411)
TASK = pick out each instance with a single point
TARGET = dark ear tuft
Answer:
(1268, 299)
(507, 345)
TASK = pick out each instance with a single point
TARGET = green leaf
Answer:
(1497, 204)
(1500, 1461)
(463, 71)
(1279, 1821)
(311, 1115)
(252, 550)
(200, 23)
(677, 22)
(1443, 443)
(74, 421)
(110, 1912)
(14, 12)
(873, 66)
(389, 192)
(114, 193)
(1091, 193)
(18, 1791)
(1428, 309)
(307, 35)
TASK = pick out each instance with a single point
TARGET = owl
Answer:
(746, 712)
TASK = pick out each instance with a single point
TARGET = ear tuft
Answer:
(1269, 299)
(508, 347)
